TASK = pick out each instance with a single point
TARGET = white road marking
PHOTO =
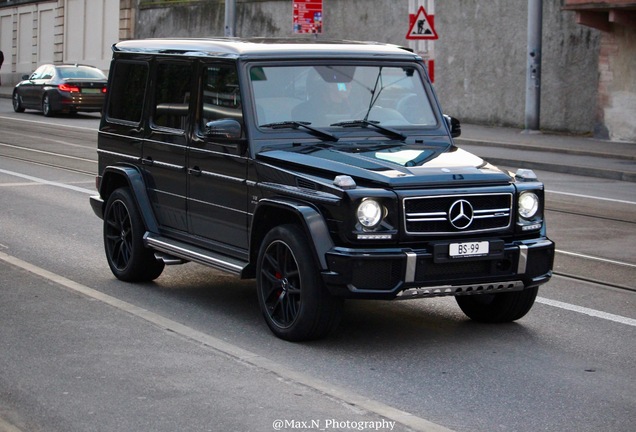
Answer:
(591, 197)
(590, 257)
(48, 123)
(49, 182)
(49, 153)
(587, 311)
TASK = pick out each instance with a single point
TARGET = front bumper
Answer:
(391, 272)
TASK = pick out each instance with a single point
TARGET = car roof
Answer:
(75, 66)
(264, 48)
(66, 65)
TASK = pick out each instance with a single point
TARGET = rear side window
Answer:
(172, 94)
(126, 92)
(221, 98)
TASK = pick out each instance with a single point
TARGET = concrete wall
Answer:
(617, 99)
(480, 58)
(383, 20)
(481, 64)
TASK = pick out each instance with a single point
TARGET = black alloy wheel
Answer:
(127, 256)
(46, 106)
(292, 297)
(17, 102)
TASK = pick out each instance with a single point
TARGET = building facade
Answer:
(61, 31)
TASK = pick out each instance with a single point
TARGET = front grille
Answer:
(453, 214)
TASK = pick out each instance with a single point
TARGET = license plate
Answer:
(91, 90)
(468, 249)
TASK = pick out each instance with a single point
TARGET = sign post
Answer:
(421, 32)
(307, 16)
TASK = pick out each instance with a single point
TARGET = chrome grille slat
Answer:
(491, 212)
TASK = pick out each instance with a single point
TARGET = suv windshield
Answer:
(341, 96)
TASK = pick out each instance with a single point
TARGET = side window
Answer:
(126, 91)
(48, 73)
(172, 94)
(221, 98)
(38, 73)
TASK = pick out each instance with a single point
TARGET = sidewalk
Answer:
(569, 154)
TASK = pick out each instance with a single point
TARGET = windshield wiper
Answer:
(292, 124)
(363, 123)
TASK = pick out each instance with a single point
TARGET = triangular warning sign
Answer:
(422, 26)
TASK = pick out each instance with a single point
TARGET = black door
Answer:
(164, 149)
(217, 198)
(31, 91)
(121, 131)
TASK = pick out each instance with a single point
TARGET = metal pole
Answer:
(230, 18)
(533, 73)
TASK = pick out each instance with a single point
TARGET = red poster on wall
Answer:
(307, 16)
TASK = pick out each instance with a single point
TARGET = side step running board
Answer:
(178, 252)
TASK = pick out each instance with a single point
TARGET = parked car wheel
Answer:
(47, 110)
(128, 258)
(497, 308)
(17, 102)
(292, 297)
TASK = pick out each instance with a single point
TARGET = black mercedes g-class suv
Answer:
(324, 170)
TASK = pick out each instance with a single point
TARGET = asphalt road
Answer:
(81, 351)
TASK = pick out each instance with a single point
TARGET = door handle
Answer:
(147, 161)
(195, 171)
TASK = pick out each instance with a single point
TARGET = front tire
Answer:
(498, 308)
(17, 103)
(128, 258)
(294, 301)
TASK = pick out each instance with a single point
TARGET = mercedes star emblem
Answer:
(460, 214)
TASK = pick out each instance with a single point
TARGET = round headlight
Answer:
(528, 204)
(369, 213)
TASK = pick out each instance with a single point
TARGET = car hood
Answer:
(389, 165)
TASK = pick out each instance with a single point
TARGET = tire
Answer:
(17, 103)
(498, 308)
(46, 106)
(294, 301)
(128, 258)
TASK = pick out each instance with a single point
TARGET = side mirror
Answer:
(224, 128)
(26, 77)
(454, 125)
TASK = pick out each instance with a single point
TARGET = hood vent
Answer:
(306, 184)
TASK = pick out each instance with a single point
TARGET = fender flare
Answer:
(136, 183)
(311, 220)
